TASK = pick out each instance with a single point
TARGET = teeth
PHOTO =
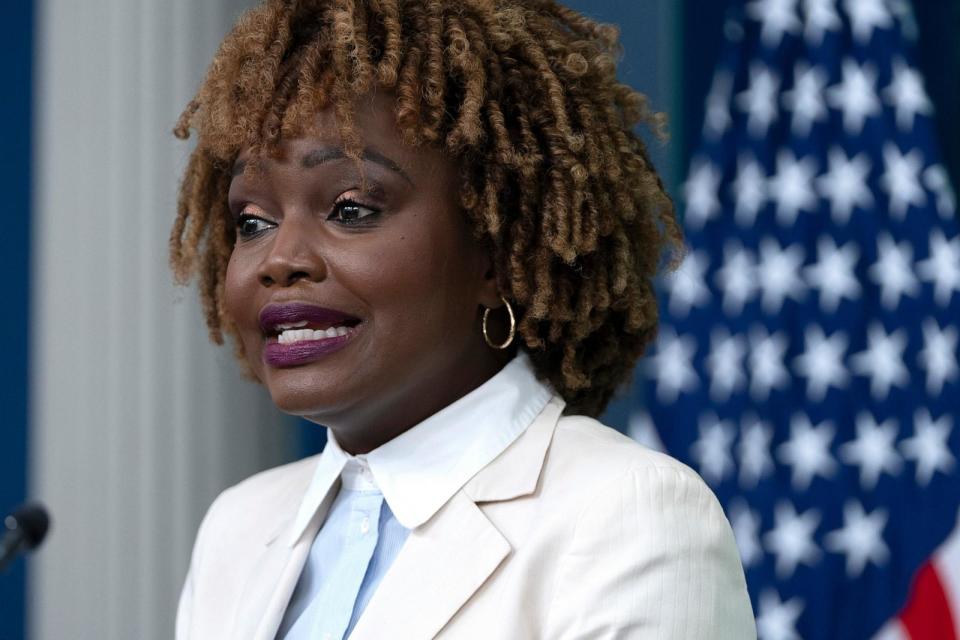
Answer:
(293, 335)
(294, 325)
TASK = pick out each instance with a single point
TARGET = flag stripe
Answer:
(927, 615)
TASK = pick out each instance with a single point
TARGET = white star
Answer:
(866, 16)
(778, 272)
(767, 371)
(724, 364)
(820, 16)
(822, 362)
(640, 427)
(808, 451)
(672, 365)
(736, 277)
(711, 450)
(938, 356)
(928, 446)
(833, 273)
(749, 190)
(759, 101)
(717, 119)
(746, 531)
(938, 181)
(778, 619)
(753, 451)
(872, 450)
(686, 286)
(882, 361)
(906, 94)
(805, 99)
(845, 184)
(901, 179)
(855, 95)
(791, 538)
(893, 271)
(860, 539)
(778, 18)
(792, 186)
(942, 268)
(700, 192)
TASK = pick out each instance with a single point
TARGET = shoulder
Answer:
(264, 497)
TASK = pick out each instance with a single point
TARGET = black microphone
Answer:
(23, 530)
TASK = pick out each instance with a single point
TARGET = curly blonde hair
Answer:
(522, 95)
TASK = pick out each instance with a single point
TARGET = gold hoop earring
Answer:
(513, 327)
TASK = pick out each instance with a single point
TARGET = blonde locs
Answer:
(523, 95)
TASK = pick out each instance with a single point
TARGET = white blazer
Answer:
(573, 532)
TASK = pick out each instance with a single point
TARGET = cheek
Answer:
(237, 293)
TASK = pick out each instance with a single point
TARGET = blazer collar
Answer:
(422, 468)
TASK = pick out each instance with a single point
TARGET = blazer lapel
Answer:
(441, 565)
(446, 560)
(273, 578)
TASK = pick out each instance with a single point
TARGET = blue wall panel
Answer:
(16, 32)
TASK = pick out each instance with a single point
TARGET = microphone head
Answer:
(32, 521)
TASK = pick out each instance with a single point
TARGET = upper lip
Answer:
(275, 315)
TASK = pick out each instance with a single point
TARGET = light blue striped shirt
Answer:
(385, 494)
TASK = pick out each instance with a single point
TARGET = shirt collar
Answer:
(422, 468)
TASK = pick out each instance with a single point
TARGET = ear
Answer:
(489, 294)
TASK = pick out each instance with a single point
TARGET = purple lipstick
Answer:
(298, 333)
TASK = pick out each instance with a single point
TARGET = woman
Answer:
(429, 227)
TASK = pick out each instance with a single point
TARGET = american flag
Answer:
(807, 360)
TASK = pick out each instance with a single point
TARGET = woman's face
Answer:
(357, 297)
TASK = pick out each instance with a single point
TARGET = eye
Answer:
(250, 226)
(351, 213)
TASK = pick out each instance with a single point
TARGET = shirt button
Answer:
(365, 525)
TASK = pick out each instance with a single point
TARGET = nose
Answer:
(292, 258)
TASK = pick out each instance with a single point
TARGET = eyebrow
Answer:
(318, 156)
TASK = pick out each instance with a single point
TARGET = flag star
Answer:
(942, 268)
(893, 271)
(700, 192)
(867, 16)
(805, 99)
(687, 287)
(791, 539)
(717, 119)
(672, 365)
(855, 95)
(753, 451)
(821, 363)
(640, 427)
(808, 451)
(746, 531)
(938, 356)
(845, 184)
(928, 446)
(736, 277)
(901, 179)
(820, 16)
(767, 371)
(777, 17)
(872, 450)
(882, 361)
(860, 539)
(907, 95)
(938, 181)
(778, 273)
(759, 101)
(724, 364)
(792, 186)
(778, 619)
(711, 450)
(749, 190)
(833, 273)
